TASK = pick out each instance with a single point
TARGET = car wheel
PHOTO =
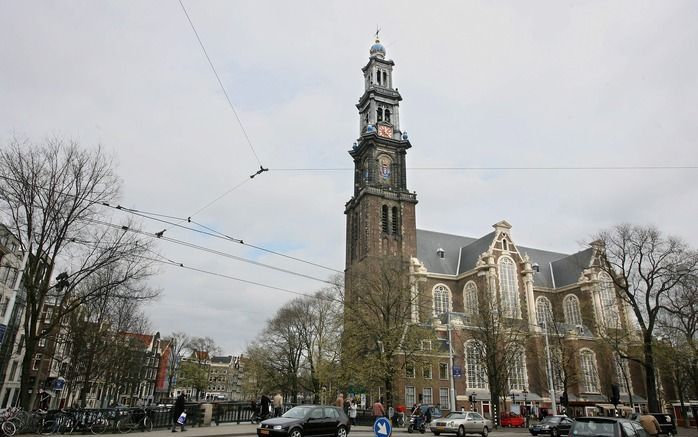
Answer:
(295, 432)
(461, 431)
(436, 432)
(554, 433)
(534, 433)
(485, 432)
(341, 432)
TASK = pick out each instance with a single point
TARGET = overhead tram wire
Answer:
(164, 260)
(209, 250)
(213, 233)
(539, 168)
(225, 92)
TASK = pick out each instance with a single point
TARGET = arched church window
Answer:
(590, 373)
(379, 114)
(509, 288)
(470, 306)
(385, 79)
(607, 293)
(441, 297)
(384, 220)
(570, 305)
(396, 221)
(387, 115)
(475, 371)
(544, 310)
(378, 77)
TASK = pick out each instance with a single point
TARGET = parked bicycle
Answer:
(139, 418)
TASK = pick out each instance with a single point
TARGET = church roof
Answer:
(461, 253)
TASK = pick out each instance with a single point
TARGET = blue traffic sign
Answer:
(382, 427)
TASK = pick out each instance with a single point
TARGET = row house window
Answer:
(427, 397)
(444, 398)
(410, 397)
(426, 372)
(443, 371)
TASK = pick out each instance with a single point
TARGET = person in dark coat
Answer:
(177, 410)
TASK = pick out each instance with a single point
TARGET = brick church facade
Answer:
(566, 296)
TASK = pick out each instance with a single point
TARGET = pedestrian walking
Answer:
(378, 410)
(650, 424)
(177, 410)
(353, 411)
(278, 405)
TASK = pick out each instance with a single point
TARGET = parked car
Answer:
(606, 427)
(553, 425)
(307, 420)
(513, 420)
(666, 422)
(461, 424)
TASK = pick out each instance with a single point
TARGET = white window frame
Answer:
(427, 395)
(441, 304)
(572, 310)
(509, 288)
(427, 372)
(475, 372)
(410, 395)
(470, 301)
(444, 398)
(544, 311)
(589, 381)
(442, 365)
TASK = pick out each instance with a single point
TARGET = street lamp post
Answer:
(525, 395)
(452, 391)
(551, 387)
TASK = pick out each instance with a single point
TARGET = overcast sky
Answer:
(485, 84)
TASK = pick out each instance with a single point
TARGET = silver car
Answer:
(461, 424)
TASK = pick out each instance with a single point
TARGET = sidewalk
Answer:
(223, 430)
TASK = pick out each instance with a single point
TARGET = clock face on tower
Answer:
(385, 131)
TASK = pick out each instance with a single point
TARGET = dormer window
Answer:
(440, 253)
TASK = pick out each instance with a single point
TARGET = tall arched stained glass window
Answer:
(590, 375)
(475, 371)
(544, 310)
(442, 299)
(470, 305)
(509, 288)
(609, 307)
(570, 306)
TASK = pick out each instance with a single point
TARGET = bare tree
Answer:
(53, 194)
(646, 266)
(202, 350)
(379, 308)
(177, 342)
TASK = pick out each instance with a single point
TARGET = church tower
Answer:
(381, 213)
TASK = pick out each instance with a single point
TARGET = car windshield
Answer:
(456, 416)
(550, 419)
(297, 412)
(593, 429)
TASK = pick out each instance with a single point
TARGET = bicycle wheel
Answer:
(46, 426)
(125, 424)
(99, 425)
(147, 423)
(8, 428)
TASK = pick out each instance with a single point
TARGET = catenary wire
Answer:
(585, 168)
(209, 250)
(213, 233)
(225, 93)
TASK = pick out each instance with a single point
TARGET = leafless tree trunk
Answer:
(178, 343)
(53, 194)
(646, 268)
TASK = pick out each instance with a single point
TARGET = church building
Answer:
(563, 300)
